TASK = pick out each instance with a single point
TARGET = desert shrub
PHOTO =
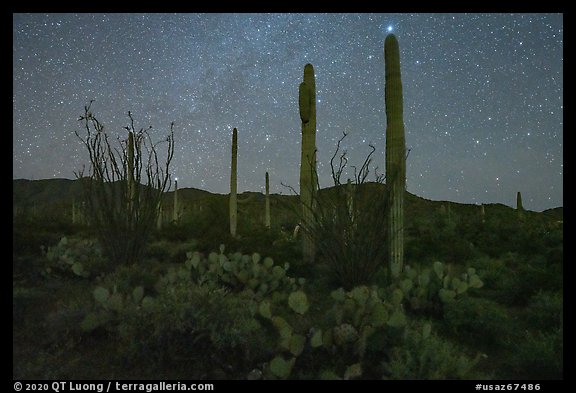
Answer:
(539, 355)
(174, 232)
(182, 321)
(212, 227)
(555, 255)
(480, 321)
(23, 300)
(256, 238)
(532, 274)
(170, 251)
(499, 281)
(424, 355)
(187, 321)
(349, 231)
(492, 271)
(512, 279)
(345, 226)
(545, 310)
(30, 238)
(127, 277)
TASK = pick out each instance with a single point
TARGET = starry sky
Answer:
(483, 96)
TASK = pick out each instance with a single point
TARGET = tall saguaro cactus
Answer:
(175, 215)
(267, 208)
(308, 175)
(395, 154)
(519, 207)
(130, 166)
(234, 185)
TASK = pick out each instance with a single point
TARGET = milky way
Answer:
(483, 96)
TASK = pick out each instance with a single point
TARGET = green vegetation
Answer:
(492, 310)
(400, 287)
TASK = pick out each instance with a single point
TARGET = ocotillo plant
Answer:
(160, 216)
(482, 214)
(395, 154)
(122, 186)
(233, 185)
(267, 208)
(350, 199)
(308, 175)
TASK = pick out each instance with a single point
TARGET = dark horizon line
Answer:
(260, 192)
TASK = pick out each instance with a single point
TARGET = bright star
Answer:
(389, 28)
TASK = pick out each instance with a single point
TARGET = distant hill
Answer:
(556, 213)
(54, 198)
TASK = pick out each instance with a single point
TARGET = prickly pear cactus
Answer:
(298, 302)
(82, 257)
(345, 334)
(240, 272)
(429, 288)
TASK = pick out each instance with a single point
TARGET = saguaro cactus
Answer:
(130, 167)
(267, 208)
(234, 185)
(395, 154)
(175, 215)
(519, 206)
(308, 175)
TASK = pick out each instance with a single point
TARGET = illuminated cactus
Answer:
(395, 154)
(308, 175)
(234, 185)
(130, 165)
(267, 211)
(175, 215)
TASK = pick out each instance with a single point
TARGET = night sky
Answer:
(483, 96)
